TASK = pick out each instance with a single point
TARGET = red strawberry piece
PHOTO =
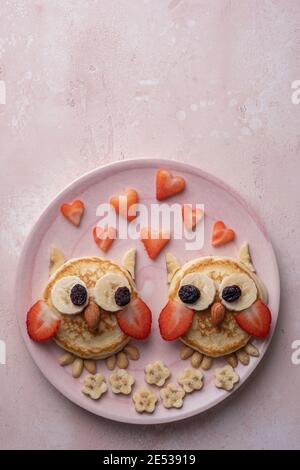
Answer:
(191, 216)
(255, 320)
(174, 320)
(73, 212)
(125, 203)
(104, 237)
(42, 322)
(154, 241)
(221, 234)
(167, 185)
(135, 319)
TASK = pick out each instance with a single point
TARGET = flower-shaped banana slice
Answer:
(225, 377)
(172, 396)
(190, 379)
(144, 400)
(121, 382)
(94, 385)
(156, 373)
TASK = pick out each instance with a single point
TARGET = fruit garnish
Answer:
(174, 320)
(221, 234)
(154, 241)
(128, 261)
(104, 237)
(255, 320)
(124, 204)
(78, 295)
(231, 293)
(189, 294)
(73, 212)
(191, 216)
(57, 259)
(135, 319)
(122, 296)
(42, 322)
(168, 185)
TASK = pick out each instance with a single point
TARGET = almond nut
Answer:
(66, 359)
(217, 313)
(251, 350)
(77, 367)
(90, 365)
(111, 361)
(232, 360)
(92, 315)
(132, 352)
(243, 357)
(185, 352)
(122, 360)
(196, 359)
(206, 362)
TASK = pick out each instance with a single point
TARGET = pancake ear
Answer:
(172, 265)
(128, 261)
(245, 258)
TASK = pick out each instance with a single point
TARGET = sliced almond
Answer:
(132, 352)
(196, 359)
(206, 362)
(111, 361)
(251, 350)
(232, 360)
(66, 359)
(92, 315)
(77, 367)
(57, 259)
(122, 360)
(217, 313)
(185, 352)
(243, 357)
(90, 365)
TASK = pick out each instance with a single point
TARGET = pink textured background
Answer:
(205, 82)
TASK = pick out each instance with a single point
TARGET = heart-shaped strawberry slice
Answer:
(167, 185)
(221, 234)
(154, 241)
(125, 203)
(191, 216)
(73, 212)
(104, 237)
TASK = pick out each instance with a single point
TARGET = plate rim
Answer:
(128, 164)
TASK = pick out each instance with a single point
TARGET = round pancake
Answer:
(228, 337)
(73, 334)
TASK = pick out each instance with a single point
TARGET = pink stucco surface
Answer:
(208, 83)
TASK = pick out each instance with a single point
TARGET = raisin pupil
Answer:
(231, 293)
(189, 294)
(78, 295)
(122, 296)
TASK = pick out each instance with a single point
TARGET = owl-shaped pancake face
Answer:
(215, 305)
(96, 304)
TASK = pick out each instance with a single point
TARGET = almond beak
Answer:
(217, 313)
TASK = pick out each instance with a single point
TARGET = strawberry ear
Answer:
(175, 320)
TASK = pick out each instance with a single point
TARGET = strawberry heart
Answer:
(221, 234)
(167, 185)
(191, 216)
(104, 237)
(124, 204)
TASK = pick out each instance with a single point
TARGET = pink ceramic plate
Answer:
(95, 187)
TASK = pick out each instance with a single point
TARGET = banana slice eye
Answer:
(238, 292)
(197, 291)
(69, 295)
(112, 292)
